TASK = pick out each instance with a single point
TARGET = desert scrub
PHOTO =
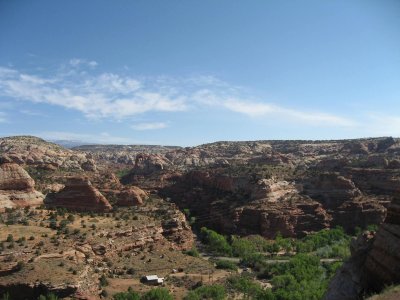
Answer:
(214, 292)
(226, 265)
(192, 252)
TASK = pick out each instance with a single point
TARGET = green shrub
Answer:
(157, 294)
(301, 278)
(211, 292)
(226, 264)
(50, 296)
(130, 295)
(103, 280)
(216, 242)
(192, 252)
(243, 247)
(10, 238)
(244, 284)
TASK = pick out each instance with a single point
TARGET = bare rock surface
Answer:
(374, 263)
(36, 152)
(79, 195)
(17, 188)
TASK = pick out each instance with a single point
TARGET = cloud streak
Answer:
(115, 96)
(97, 96)
(257, 109)
(149, 126)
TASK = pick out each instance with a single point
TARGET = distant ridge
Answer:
(69, 143)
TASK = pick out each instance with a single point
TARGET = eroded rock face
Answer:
(13, 177)
(347, 205)
(17, 188)
(132, 196)
(294, 218)
(374, 263)
(176, 229)
(36, 152)
(382, 266)
(332, 189)
(79, 195)
(237, 205)
(348, 282)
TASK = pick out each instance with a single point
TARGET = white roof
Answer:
(151, 277)
(160, 280)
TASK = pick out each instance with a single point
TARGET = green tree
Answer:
(216, 242)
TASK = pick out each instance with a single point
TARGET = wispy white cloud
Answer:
(149, 126)
(256, 109)
(97, 96)
(75, 62)
(115, 96)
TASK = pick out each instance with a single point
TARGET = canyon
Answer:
(128, 202)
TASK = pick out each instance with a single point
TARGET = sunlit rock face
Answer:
(132, 196)
(17, 188)
(79, 195)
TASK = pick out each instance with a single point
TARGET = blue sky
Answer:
(191, 72)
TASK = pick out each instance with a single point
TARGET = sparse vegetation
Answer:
(211, 292)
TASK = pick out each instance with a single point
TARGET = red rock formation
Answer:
(132, 196)
(331, 189)
(79, 195)
(17, 188)
(294, 220)
(374, 263)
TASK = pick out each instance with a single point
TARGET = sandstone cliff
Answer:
(79, 195)
(17, 188)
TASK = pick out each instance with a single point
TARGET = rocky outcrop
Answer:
(176, 229)
(17, 188)
(132, 196)
(331, 189)
(374, 263)
(294, 218)
(382, 266)
(348, 282)
(238, 205)
(33, 151)
(347, 205)
(79, 195)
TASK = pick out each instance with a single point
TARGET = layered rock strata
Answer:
(79, 195)
(17, 188)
